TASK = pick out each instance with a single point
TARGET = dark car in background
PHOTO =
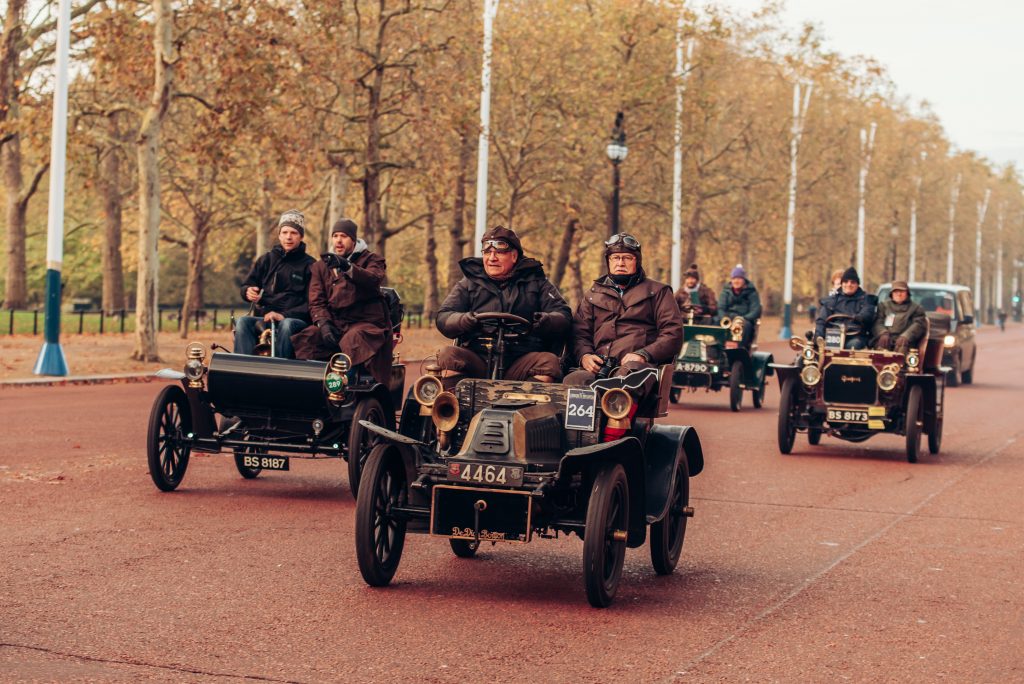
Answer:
(950, 310)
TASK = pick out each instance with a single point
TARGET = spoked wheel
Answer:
(787, 417)
(735, 380)
(674, 394)
(604, 543)
(380, 535)
(935, 437)
(758, 395)
(169, 423)
(361, 440)
(464, 548)
(668, 533)
(814, 436)
(915, 416)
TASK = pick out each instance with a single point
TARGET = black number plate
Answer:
(833, 338)
(580, 407)
(847, 415)
(485, 473)
(265, 462)
(692, 367)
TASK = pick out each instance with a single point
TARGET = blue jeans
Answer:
(247, 333)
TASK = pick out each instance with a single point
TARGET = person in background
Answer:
(697, 294)
(740, 298)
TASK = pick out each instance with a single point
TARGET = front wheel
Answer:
(361, 440)
(735, 390)
(604, 543)
(169, 423)
(935, 437)
(814, 436)
(668, 533)
(913, 421)
(787, 420)
(380, 534)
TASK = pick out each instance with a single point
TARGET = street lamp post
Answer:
(895, 248)
(617, 152)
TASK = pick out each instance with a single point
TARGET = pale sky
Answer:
(965, 57)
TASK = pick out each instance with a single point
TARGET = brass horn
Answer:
(725, 322)
(445, 412)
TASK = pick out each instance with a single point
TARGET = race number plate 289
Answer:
(580, 407)
(265, 462)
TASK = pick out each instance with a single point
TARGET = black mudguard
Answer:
(928, 390)
(204, 422)
(666, 446)
(785, 372)
(761, 368)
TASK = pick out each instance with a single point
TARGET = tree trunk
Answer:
(576, 293)
(430, 300)
(693, 230)
(194, 282)
(16, 292)
(372, 230)
(457, 231)
(564, 250)
(339, 180)
(148, 148)
(110, 188)
(265, 220)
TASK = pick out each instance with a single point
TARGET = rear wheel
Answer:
(758, 395)
(380, 534)
(166, 452)
(914, 421)
(735, 390)
(604, 546)
(464, 548)
(361, 440)
(668, 533)
(787, 418)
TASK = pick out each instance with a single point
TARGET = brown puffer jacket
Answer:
(353, 302)
(644, 317)
(708, 300)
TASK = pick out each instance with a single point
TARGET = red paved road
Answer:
(839, 562)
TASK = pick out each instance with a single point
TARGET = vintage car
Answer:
(711, 358)
(272, 410)
(856, 394)
(491, 460)
(950, 311)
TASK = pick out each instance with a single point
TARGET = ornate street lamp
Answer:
(616, 151)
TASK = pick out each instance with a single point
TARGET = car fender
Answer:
(762, 368)
(785, 371)
(666, 446)
(204, 422)
(928, 392)
(624, 451)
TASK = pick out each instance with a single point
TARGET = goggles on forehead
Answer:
(499, 246)
(626, 239)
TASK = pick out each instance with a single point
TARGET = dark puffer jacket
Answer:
(746, 302)
(643, 318)
(908, 321)
(525, 293)
(284, 279)
(860, 305)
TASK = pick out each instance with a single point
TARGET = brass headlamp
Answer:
(336, 377)
(195, 369)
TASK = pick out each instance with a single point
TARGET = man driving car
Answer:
(855, 307)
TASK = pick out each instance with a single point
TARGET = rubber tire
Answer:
(913, 420)
(167, 463)
(385, 479)
(608, 509)
(814, 436)
(735, 391)
(668, 534)
(674, 394)
(953, 376)
(240, 454)
(758, 395)
(786, 432)
(935, 438)
(361, 441)
(967, 376)
(463, 548)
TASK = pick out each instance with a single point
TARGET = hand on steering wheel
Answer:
(850, 323)
(508, 322)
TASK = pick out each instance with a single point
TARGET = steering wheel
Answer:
(508, 322)
(854, 329)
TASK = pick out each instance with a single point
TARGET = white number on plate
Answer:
(582, 411)
(487, 474)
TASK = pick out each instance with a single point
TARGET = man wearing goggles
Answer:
(625, 317)
(504, 281)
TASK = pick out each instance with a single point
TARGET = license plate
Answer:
(486, 473)
(265, 462)
(692, 367)
(580, 407)
(847, 415)
(833, 338)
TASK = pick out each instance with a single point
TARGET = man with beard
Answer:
(346, 305)
(505, 281)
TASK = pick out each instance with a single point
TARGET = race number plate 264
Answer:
(580, 407)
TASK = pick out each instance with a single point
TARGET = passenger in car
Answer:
(852, 301)
(900, 323)
(504, 281)
(348, 310)
(625, 317)
(739, 297)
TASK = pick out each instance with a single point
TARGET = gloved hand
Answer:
(541, 321)
(344, 264)
(884, 341)
(902, 345)
(330, 334)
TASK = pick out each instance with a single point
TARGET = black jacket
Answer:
(526, 292)
(860, 305)
(746, 303)
(284, 279)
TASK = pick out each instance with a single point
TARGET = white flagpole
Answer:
(867, 143)
(490, 10)
(999, 260)
(799, 113)
(912, 260)
(682, 68)
(954, 194)
(982, 209)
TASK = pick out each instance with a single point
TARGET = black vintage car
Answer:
(856, 394)
(950, 311)
(493, 461)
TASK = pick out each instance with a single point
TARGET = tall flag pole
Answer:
(953, 195)
(799, 114)
(867, 144)
(490, 10)
(682, 69)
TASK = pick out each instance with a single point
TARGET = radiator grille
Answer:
(850, 384)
